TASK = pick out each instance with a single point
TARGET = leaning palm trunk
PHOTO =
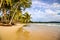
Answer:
(15, 6)
(0, 3)
(12, 18)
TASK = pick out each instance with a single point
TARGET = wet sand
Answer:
(30, 32)
(43, 32)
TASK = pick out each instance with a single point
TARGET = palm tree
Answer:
(19, 5)
(4, 6)
(13, 5)
(27, 17)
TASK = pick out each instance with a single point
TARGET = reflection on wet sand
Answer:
(31, 32)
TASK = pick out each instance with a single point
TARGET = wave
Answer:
(49, 24)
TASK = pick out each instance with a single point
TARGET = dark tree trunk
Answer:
(4, 15)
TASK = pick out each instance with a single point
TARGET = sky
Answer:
(45, 10)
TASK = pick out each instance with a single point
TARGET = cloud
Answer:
(41, 11)
(50, 12)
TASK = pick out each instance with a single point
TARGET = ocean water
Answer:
(51, 24)
(47, 24)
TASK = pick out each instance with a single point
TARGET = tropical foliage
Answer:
(12, 10)
(25, 18)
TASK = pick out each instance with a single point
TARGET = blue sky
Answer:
(45, 10)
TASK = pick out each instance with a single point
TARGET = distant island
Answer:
(46, 22)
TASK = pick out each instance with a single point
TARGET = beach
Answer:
(30, 32)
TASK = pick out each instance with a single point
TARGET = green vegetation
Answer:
(12, 11)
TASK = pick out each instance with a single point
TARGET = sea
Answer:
(47, 24)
